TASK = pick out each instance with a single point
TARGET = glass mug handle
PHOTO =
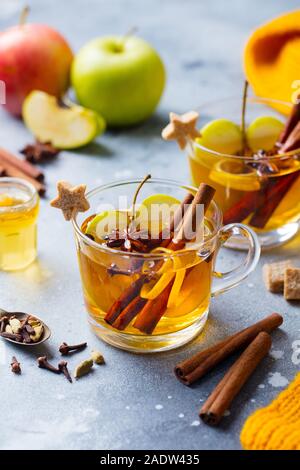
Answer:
(224, 281)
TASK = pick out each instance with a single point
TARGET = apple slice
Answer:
(105, 222)
(263, 133)
(64, 126)
(155, 211)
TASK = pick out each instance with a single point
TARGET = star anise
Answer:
(262, 163)
(129, 239)
(39, 152)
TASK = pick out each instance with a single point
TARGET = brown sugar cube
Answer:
(273, 275)
(292, 284)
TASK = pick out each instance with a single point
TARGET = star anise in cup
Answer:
(129, 239)
(262, 163)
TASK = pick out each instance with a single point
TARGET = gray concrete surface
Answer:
(116, 407)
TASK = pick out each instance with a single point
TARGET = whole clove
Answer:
(44, 364)
(3, 323)
(65, 349)
(14, 336)
(15, 365)
(63, 367)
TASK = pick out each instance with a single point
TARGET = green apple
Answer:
(65, 126)
(263, 133)
(221, 135)
(121, 78)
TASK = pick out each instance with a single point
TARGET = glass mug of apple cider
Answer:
(257, 180)
(19, 206)
(147, 262)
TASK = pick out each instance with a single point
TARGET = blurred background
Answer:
(201, 44)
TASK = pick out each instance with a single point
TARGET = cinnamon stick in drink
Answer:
(127, 301)
(32, 171)
(129, 313)
(273, 195)
(292, 121)
(192, 369)
(154, 309)
(227, 389)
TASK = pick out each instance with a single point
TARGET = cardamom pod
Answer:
(83, 368)
(38, 331)
(97, 357)
(15, 325)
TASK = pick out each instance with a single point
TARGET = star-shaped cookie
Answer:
(70, 199)
(181, 128)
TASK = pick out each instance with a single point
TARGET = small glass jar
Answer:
(19, 206)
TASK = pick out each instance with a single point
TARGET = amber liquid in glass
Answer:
(233, 182)
(17, 231)
(102, 288)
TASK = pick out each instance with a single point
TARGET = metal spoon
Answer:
(22, 316)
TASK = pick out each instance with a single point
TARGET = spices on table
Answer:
(97, 357)
(220, 399)
(15, 365)
(83, 368)
(65, 348)
(192, 369)
(39, 152)
(17, 168)
(28, 330)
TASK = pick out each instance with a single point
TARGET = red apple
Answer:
(33, 57)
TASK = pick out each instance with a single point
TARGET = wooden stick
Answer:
(221, 398)
(192, 369)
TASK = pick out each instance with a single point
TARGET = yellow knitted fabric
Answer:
(276, 427)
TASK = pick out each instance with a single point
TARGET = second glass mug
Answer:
(187, 309)
(269, 201)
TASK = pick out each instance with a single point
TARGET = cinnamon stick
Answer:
(125, 299)
(292, 141)
(22, 165)
(164, 240)
(272, 196)
(188, 227)
(227, 389)
(153, 310)
(11, 170)
(291, 122)
(129, 313)
(243, 208)
(192, 369)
